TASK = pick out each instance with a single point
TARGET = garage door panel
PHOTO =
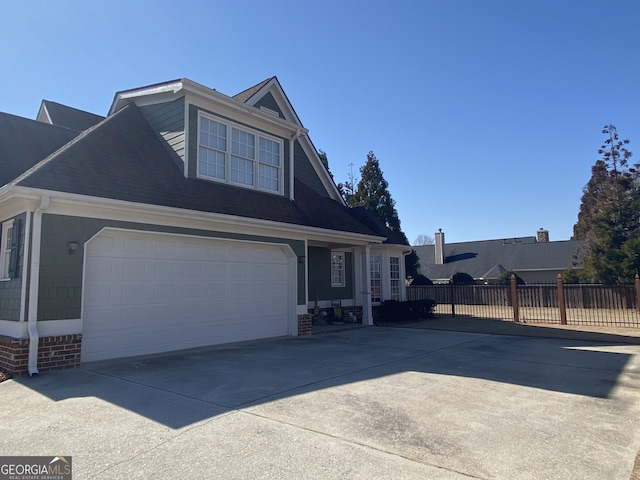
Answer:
(148, 293)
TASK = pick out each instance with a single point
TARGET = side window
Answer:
(376, 277)
(337, 269)
(394, 272)
(6, 242)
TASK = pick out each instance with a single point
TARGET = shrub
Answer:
(410, 310)
(461, 278)
(505, 278)
(421, 280)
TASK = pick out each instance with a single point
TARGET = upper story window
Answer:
(240, 156)
(5, 248)
(337, 269)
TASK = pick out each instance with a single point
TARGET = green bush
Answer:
(505, 278)
(421, 280)
(410, 310)
(462, 278)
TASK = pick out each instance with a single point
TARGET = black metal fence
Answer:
(571, 304)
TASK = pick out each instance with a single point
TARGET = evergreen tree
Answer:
(609, 218)
(373, 194)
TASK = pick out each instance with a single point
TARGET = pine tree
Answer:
(609, 219)
(373, 194)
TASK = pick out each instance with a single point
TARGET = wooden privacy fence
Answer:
(569, 304)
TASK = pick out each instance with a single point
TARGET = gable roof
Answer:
(487, 259)
(65, 116)
(245, 95)
(122, 158)
(25, 142)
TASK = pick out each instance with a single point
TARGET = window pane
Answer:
(211, 163)
(213, 134)
(241, 170)
(243, 143)
(269, 152)
(269, 178)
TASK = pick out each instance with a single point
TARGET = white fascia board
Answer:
(216, 98)
(44, 113)
(163, 88)
(13, 206)
(276, 84)
(94, 207)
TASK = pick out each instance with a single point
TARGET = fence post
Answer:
(561, 304)
(638, 293)
(514, 298)
(453, 303)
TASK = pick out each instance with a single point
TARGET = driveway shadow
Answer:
(181, 388)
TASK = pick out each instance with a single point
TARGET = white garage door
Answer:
(147, 293)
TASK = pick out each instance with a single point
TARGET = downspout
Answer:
(34, 282)
(292, 141)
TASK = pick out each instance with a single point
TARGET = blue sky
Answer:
(486, 116)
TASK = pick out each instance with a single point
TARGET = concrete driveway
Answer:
(369, 403)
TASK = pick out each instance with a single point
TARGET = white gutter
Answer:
(292, 141)
(34, 281)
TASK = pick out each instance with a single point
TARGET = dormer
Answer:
(253, 140)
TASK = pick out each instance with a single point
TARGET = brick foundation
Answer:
(304, 324)
(54, 353)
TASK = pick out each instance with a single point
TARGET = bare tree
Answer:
(423, 239)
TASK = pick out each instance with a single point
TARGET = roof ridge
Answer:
(254, 89)
(72, 108)
(49, 158)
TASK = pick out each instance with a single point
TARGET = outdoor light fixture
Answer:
(301, 259)
(72, 247)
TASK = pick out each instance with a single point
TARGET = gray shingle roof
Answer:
(487, 259)
(122, 158)
(70, 117)
(24, 142)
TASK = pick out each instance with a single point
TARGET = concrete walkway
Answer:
(368, 403)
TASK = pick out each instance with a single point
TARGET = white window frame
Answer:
(256, 160)
(5, 249)
(375, 277)
(337, 269)
(394, 277)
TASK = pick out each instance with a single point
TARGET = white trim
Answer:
(53, 328)
(13, 329)
(186, 138)
(105, 208)
(185, 86)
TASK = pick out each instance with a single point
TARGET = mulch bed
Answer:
(4, 376)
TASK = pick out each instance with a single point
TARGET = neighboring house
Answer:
(183, 218)
(534, 259)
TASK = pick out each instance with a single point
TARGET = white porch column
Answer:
(367, 314)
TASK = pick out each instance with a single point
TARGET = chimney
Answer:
(439, 247)
(542, 236)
